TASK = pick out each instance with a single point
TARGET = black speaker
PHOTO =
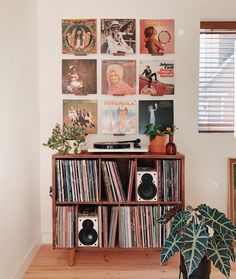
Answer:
(146, 185)
(88, 231)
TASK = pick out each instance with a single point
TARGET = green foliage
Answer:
(157, 130)
(59, 139)
(200, 232)
(173, 243)
(218, 253)
(195, 244)
(180, 221)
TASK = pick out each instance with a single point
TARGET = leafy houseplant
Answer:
(197, 233)
(157, 130)
(158, 136)
(60, 139)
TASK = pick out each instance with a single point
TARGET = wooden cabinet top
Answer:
(86, 155)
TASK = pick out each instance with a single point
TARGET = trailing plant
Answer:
(60, 138)
(154, 130)
(200, 232)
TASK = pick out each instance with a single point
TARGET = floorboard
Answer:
(110, 264)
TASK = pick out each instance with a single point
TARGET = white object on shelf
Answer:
(125, 150)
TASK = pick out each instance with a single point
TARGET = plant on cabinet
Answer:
(158, 136)
(199, 234)
(66, 140)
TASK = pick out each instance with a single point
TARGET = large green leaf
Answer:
(218, 254)
(180, 220)
(227, 241)
(195, 245)
(217, 220)
(172, 244)
(165, 218)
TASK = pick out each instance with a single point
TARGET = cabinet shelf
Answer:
(120, 195)
(121, 203)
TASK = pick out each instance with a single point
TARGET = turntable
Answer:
(118, 146)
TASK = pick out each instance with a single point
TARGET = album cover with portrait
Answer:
(118, 117)
(118, 36)
(156, 77)
(79, 36)
(119, 77)
(81, 112)
(157, 37)
(155, 112)
(79, 76)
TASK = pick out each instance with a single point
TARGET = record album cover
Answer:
(155, 112)
(79, 76)
(118, 36)
(156, 77)
(82, 113)
(157, 36)
(118, 117)
(119, 77)
(79, 36)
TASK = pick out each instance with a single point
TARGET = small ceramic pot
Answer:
(74, 148)
(158, 144)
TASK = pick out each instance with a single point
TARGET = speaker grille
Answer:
(87, 235)
(147, 191)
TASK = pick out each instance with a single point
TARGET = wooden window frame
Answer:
(217, 26)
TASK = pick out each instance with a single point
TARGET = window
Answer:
(216, 76)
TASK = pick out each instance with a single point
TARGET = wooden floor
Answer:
(122, 264)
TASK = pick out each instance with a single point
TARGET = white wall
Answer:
(206, 154)
(20, 229)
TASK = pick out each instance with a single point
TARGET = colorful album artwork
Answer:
(79, 36)
(118, 36)
(157, 36)
(79, 76)
(156, 77)
(155, 112)
(119, 77)
(118, 117)
(82, 113)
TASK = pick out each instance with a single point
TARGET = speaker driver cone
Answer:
(88, 236)
(147, 191)
(147, 178)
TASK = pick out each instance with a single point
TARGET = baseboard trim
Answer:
(26, 261)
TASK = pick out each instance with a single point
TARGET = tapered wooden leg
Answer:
(71, 257)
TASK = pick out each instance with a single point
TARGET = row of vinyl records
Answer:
(77, 180)
(123, 226)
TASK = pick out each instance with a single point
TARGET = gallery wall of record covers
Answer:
(135, 83)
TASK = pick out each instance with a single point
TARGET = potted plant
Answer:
(158, 136)
(199, 234)
(68, 139)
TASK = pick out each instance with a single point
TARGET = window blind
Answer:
(216, 76)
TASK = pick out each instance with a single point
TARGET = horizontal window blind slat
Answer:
(216, 79)
(218, 97)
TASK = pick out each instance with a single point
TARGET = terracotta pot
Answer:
(158, 144)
